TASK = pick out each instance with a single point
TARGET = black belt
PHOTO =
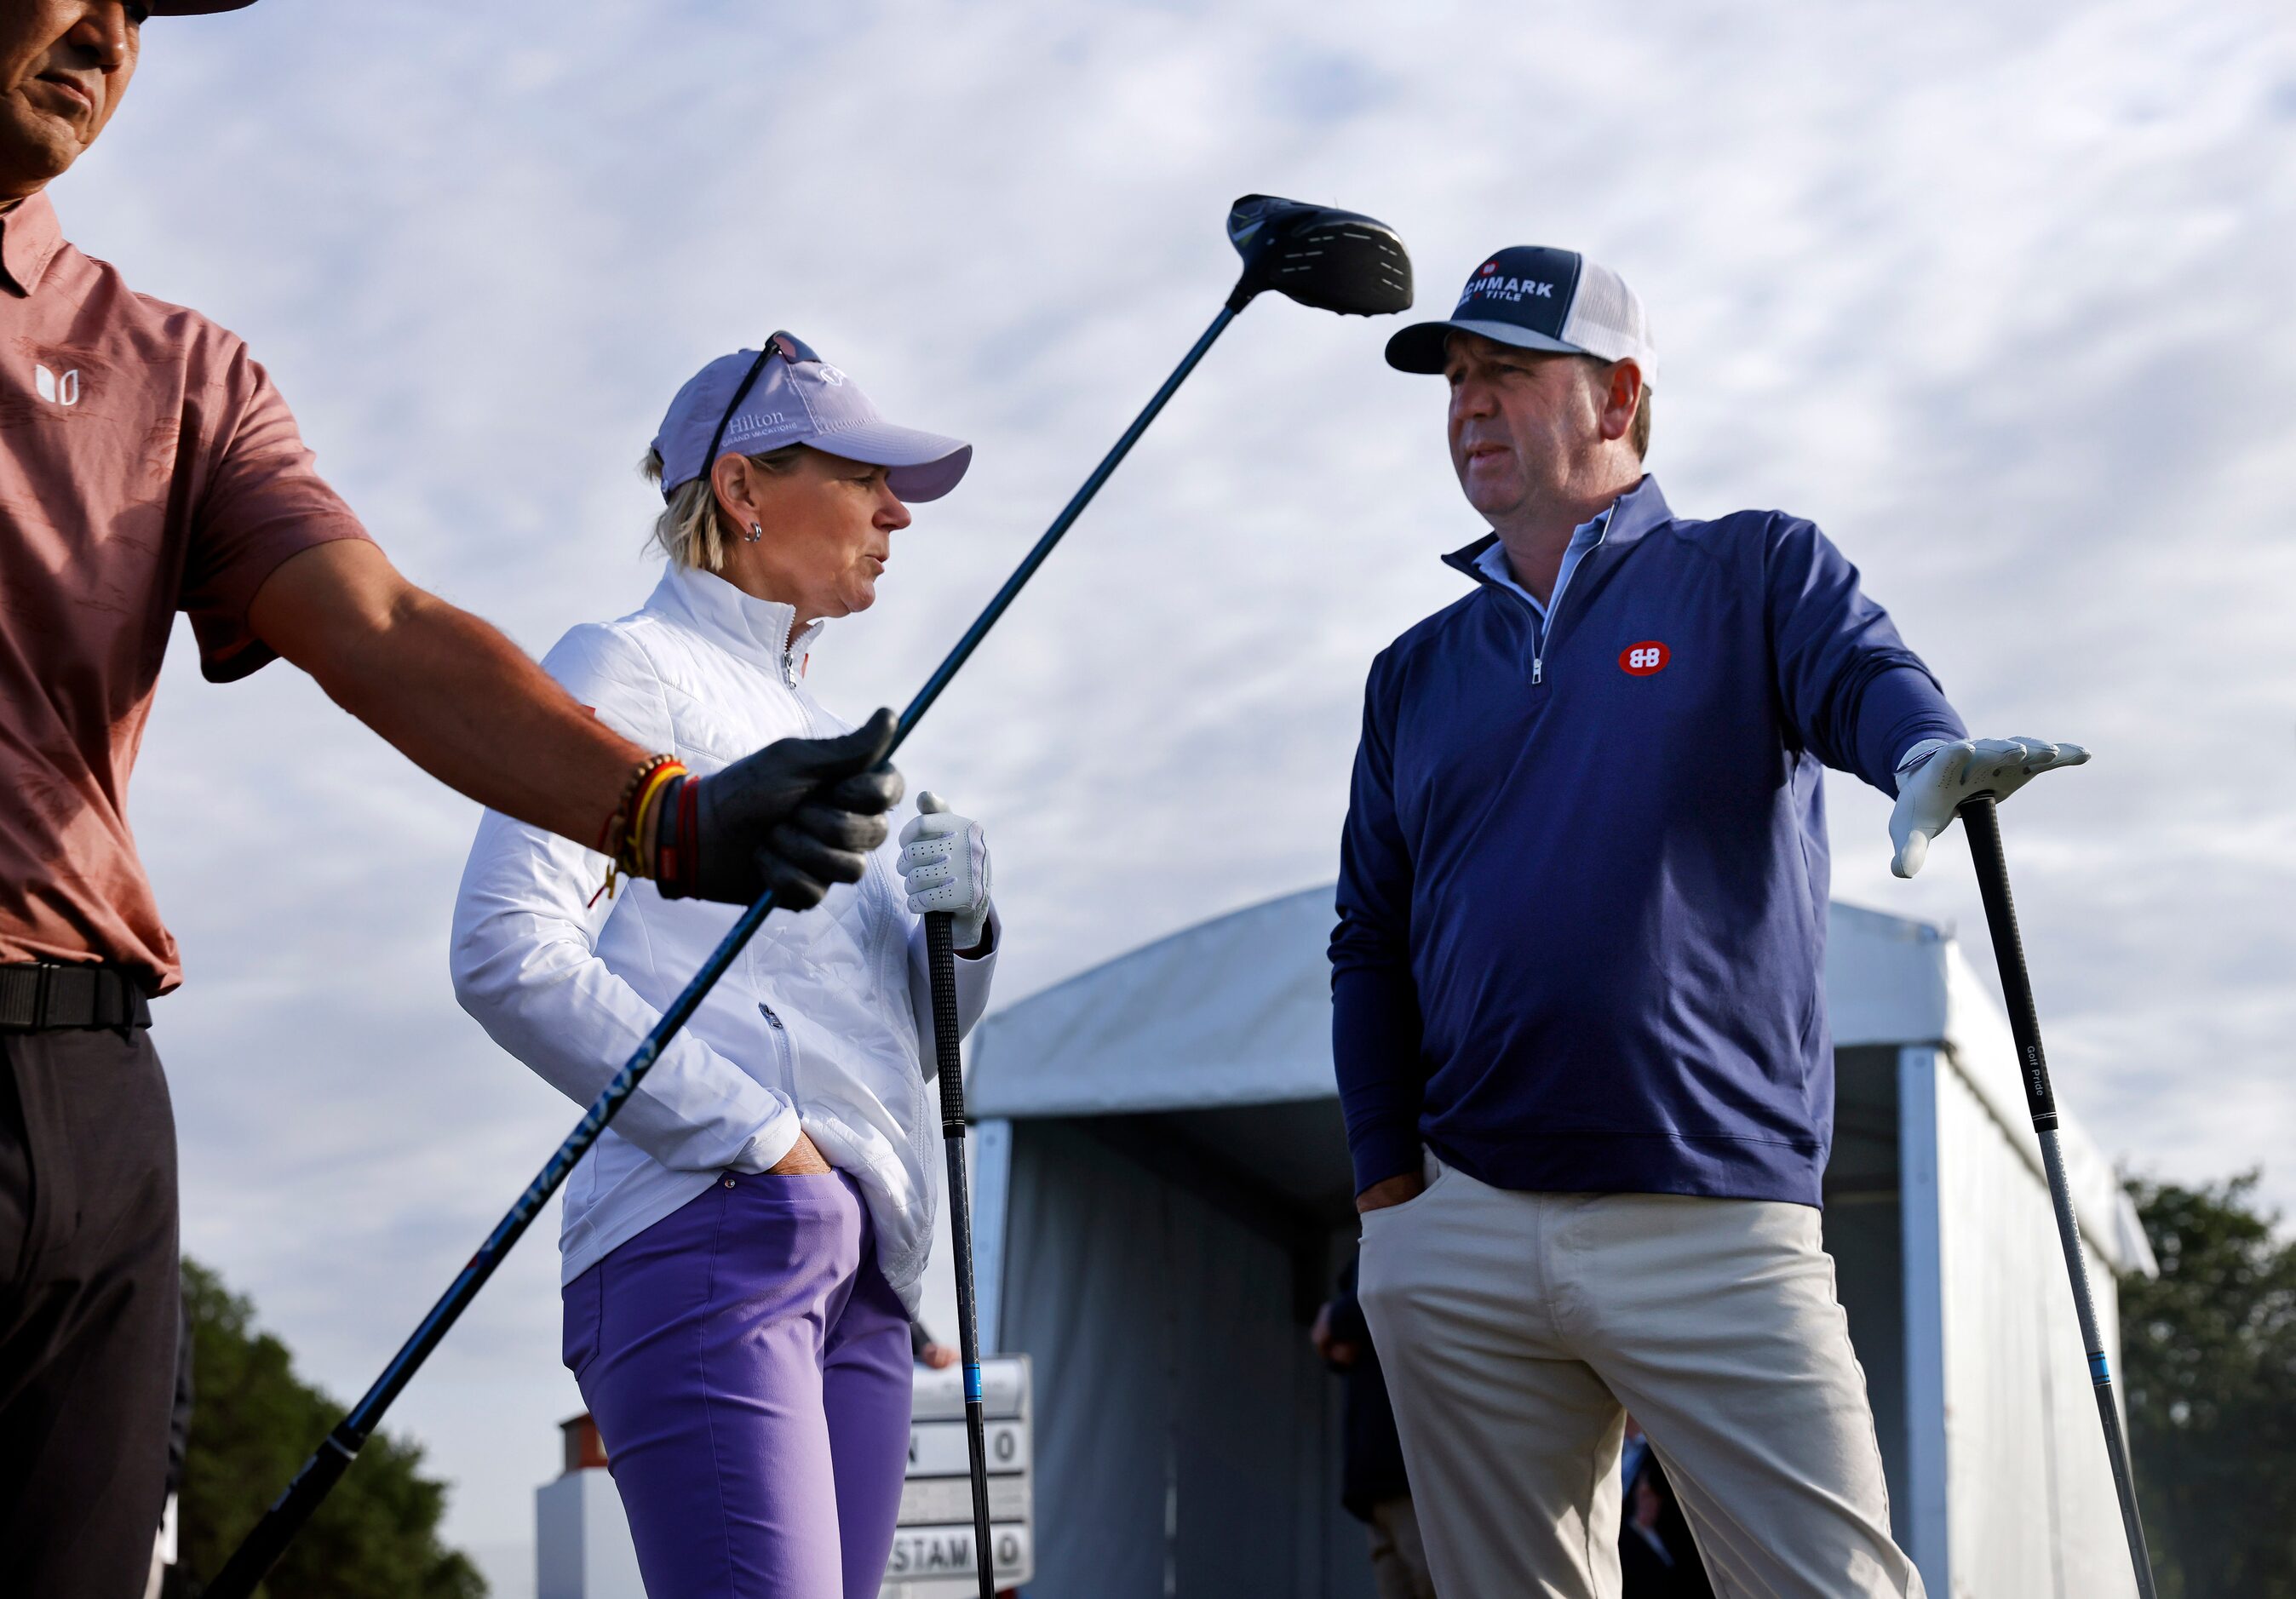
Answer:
(35, 997)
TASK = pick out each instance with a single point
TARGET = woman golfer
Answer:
(743, 1246)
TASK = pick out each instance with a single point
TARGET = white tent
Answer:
(1163, 1197)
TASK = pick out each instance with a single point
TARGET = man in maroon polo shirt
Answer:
(147, 466)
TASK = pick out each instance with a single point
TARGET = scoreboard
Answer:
(932, 1549)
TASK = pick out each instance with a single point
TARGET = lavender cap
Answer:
(799, 402)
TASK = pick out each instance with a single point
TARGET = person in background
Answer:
(1658, 1558)
(149, 468)
(1372, 1481)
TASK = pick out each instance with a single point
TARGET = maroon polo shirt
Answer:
(147, 466)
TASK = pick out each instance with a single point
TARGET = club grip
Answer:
(940, 967)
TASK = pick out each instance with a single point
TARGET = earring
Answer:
(755, 533)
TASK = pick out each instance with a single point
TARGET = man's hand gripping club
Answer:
(796, 816)
(1935, 776)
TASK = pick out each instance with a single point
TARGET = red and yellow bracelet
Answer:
(622, 841)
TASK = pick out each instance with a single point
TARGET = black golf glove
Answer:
(796, 816)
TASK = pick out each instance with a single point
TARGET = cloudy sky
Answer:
(1999, 293)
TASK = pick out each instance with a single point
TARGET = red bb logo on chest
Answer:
(1642, 660)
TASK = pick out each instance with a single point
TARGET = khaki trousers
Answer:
(1517, 1330)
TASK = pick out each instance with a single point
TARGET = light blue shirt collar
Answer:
(1584, 538)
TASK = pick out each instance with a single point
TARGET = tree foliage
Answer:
(253, 1424)
(2209, 1347)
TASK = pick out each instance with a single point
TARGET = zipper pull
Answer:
(772, 1021)
(1538, 671)
(789, 670)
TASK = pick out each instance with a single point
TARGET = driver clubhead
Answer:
(1331, 259)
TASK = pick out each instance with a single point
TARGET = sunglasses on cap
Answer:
(790, 347)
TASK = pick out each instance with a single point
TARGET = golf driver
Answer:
(1329, 259)
(1983, 823)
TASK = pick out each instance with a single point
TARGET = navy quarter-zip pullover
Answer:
(1582, 890)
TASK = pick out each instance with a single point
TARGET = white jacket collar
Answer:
(755, 630)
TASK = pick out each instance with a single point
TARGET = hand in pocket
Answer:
(803, 1160)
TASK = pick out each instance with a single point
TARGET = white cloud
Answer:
(1996, 292)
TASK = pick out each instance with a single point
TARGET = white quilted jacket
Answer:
(820, 1025)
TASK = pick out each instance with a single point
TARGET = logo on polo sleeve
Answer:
(1642, 660)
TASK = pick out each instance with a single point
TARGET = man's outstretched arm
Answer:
(1867, 704)
(449, 691)
(463, 702)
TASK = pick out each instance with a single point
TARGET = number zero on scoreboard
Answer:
(1640, 660)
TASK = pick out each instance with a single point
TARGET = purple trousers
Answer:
(749, 1371)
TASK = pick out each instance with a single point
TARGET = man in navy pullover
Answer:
(1580, 1019)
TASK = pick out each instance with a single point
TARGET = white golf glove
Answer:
(945, 867)
(1937, 775)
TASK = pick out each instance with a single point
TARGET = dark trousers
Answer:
(89, 1302)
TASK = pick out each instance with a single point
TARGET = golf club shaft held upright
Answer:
(941, 964)
(1982, 821)
(270, 1536)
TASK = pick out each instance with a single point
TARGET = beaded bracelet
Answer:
(622, 841)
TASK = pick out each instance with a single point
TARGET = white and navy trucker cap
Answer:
(1538, 298)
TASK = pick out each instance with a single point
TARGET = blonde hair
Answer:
(691, 527)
